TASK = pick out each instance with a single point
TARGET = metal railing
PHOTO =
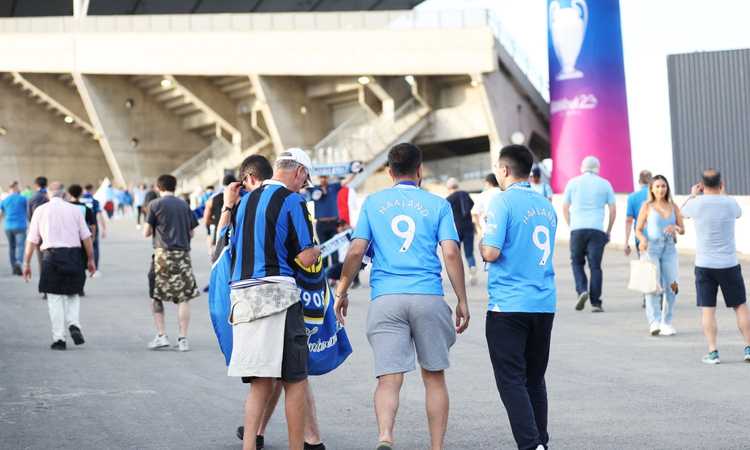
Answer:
(362, 139)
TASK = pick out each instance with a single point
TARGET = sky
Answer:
(651, 30)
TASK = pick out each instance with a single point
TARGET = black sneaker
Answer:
(597, 309)
(76, 334)
(17, 270)
(319, 446)
(58, 345)
(259, 441)
(583, 297)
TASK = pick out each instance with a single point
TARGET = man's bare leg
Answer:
(312, 431)
(709, 326)
(386, 404)
(183, 315)
(270, 407)
(257, 399)
(743, 321)
(158, 308)
(437, 403)
(294, 397)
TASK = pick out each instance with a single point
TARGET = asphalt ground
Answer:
(611, 385)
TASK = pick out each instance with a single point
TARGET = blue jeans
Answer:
(467, 240)
(663, 253)
(16, 243)
(588, 244)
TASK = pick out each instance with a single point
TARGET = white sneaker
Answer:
(182, 344)
(667, 330)
(159, 342)
(654, 328)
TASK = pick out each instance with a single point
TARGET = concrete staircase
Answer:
(207, 166)
(368, 138)
(51, 105)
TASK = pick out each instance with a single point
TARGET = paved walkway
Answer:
(611, 385)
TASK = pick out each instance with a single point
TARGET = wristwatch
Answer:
(226, 208)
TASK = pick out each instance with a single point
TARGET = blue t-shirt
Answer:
(587, 195)
(404, 225)
(325, 205)
(635, 201)
(14, 210)
(92, 203)
(522, 224)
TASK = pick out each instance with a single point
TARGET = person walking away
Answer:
(324, 195)
(491, 188)
(139, 198)
(13, 212)
(716, 264)
(462, 204)
(269, 339)
(635, 201)
(519, 248)
(584, 201)
(101, 221)
(40, 196)
(212, 212)
(404, 226)
(659, 221)
(59, 230)
(170, 223)
(538, 185)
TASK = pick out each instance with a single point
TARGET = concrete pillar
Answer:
(34, 142)
(145, 140)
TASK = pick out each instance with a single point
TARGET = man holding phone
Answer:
(716, 264)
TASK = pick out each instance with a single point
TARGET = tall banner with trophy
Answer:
(588, 103)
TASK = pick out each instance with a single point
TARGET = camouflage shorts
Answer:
(171, 276)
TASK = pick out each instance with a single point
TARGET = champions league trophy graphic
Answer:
(568, 27)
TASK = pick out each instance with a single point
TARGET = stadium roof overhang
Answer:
(25, 8)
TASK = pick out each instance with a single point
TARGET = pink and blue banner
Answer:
(588, 102)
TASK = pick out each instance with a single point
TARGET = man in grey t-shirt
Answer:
(716, 264)
(171, 223)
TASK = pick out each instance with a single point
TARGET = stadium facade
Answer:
(131, 89)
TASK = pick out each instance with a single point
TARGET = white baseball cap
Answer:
(299, 156)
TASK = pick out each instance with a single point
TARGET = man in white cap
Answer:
(268, 328)
(586, 196)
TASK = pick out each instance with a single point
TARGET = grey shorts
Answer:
(397, 325)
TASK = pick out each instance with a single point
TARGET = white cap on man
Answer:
(590, 164)
(299, 156)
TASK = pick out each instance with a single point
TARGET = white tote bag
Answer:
(644, 276)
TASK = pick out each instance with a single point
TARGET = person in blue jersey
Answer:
(635, 201)
(13, 211)
(405, 225)
(538, 185)
(586, 196)
(519, 245)
(269, 339)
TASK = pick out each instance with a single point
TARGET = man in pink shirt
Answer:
(59, 230)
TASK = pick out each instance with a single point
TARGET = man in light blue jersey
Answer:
(404, 226)
(585, 198)
(519, 244)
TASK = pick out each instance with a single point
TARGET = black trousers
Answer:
(519, 350)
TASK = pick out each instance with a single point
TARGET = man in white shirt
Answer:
(491, 189)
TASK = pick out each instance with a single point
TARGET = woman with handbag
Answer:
(659, 222)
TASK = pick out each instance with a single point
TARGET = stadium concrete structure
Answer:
(132, 89)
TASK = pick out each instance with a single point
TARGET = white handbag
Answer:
(644, 277)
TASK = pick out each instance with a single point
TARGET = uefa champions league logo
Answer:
(568, 28)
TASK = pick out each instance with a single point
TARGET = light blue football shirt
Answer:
(404, 225)
(587, 195)
(522, 224)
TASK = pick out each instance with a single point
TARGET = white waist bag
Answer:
(644, 276)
